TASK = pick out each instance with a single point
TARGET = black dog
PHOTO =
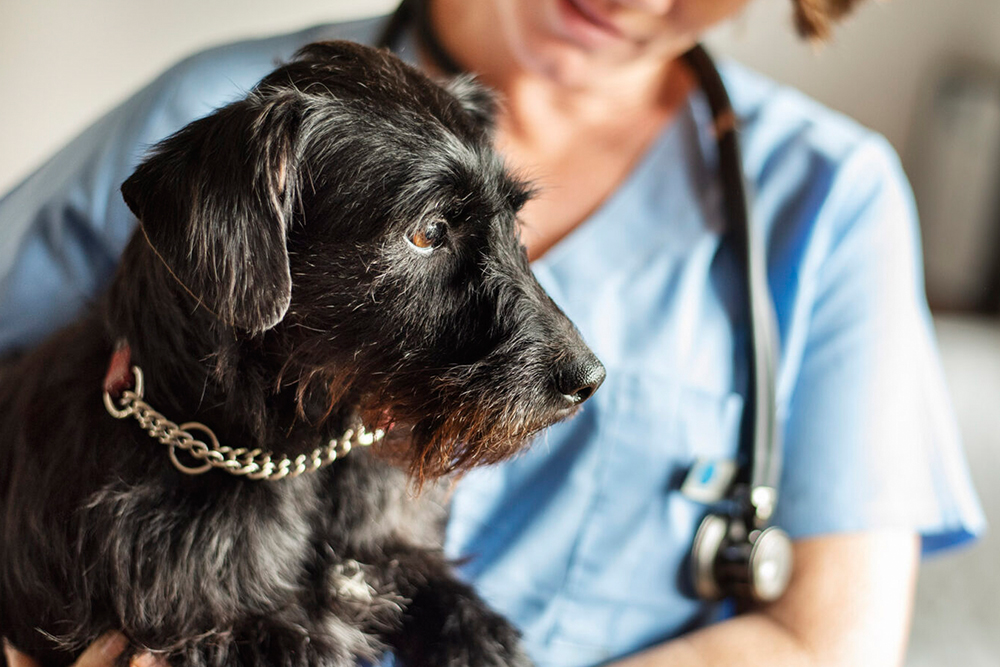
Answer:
(338, 249)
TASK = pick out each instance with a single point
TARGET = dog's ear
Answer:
(478, 101)
(215, 200)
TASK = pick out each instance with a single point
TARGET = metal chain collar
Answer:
(249, 463)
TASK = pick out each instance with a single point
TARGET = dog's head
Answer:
(352, 214)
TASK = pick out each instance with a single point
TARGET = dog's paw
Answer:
(478, 637)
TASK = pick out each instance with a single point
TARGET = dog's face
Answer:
(352, 215)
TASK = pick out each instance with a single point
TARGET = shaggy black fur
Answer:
(276, 290)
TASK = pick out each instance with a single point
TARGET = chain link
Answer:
(249, 463)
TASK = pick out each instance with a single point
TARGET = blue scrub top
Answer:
(581, 541)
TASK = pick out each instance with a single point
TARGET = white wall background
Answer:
(880, 59)
(63, 62)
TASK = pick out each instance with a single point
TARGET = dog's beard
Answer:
(474, 415)
(439, 423)
(453, 442)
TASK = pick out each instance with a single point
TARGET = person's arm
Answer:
(102, 653)
(849, 604)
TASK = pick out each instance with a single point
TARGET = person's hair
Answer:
(815, 18)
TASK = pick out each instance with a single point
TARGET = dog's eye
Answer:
(427, 237)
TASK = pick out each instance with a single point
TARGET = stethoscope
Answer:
(736, 552)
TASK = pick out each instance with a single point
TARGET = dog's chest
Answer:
(254, 544)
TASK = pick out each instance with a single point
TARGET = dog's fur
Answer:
(274, 293)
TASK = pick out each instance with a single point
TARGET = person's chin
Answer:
(570, 66)
(562, 46)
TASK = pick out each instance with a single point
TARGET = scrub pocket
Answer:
(623, 584)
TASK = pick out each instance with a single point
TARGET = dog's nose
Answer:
(580, 378)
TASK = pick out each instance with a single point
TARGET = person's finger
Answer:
(15, 658)
(148, 660)
(103, 651)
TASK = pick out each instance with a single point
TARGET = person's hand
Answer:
(101, 653)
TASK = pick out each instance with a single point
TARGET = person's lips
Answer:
(586, 23)
(593, 14)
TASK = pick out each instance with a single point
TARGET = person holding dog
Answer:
(582, 541)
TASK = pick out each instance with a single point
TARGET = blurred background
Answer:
(925, 73)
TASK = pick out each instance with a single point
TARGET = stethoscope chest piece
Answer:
(728, 561)
(770, 564)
